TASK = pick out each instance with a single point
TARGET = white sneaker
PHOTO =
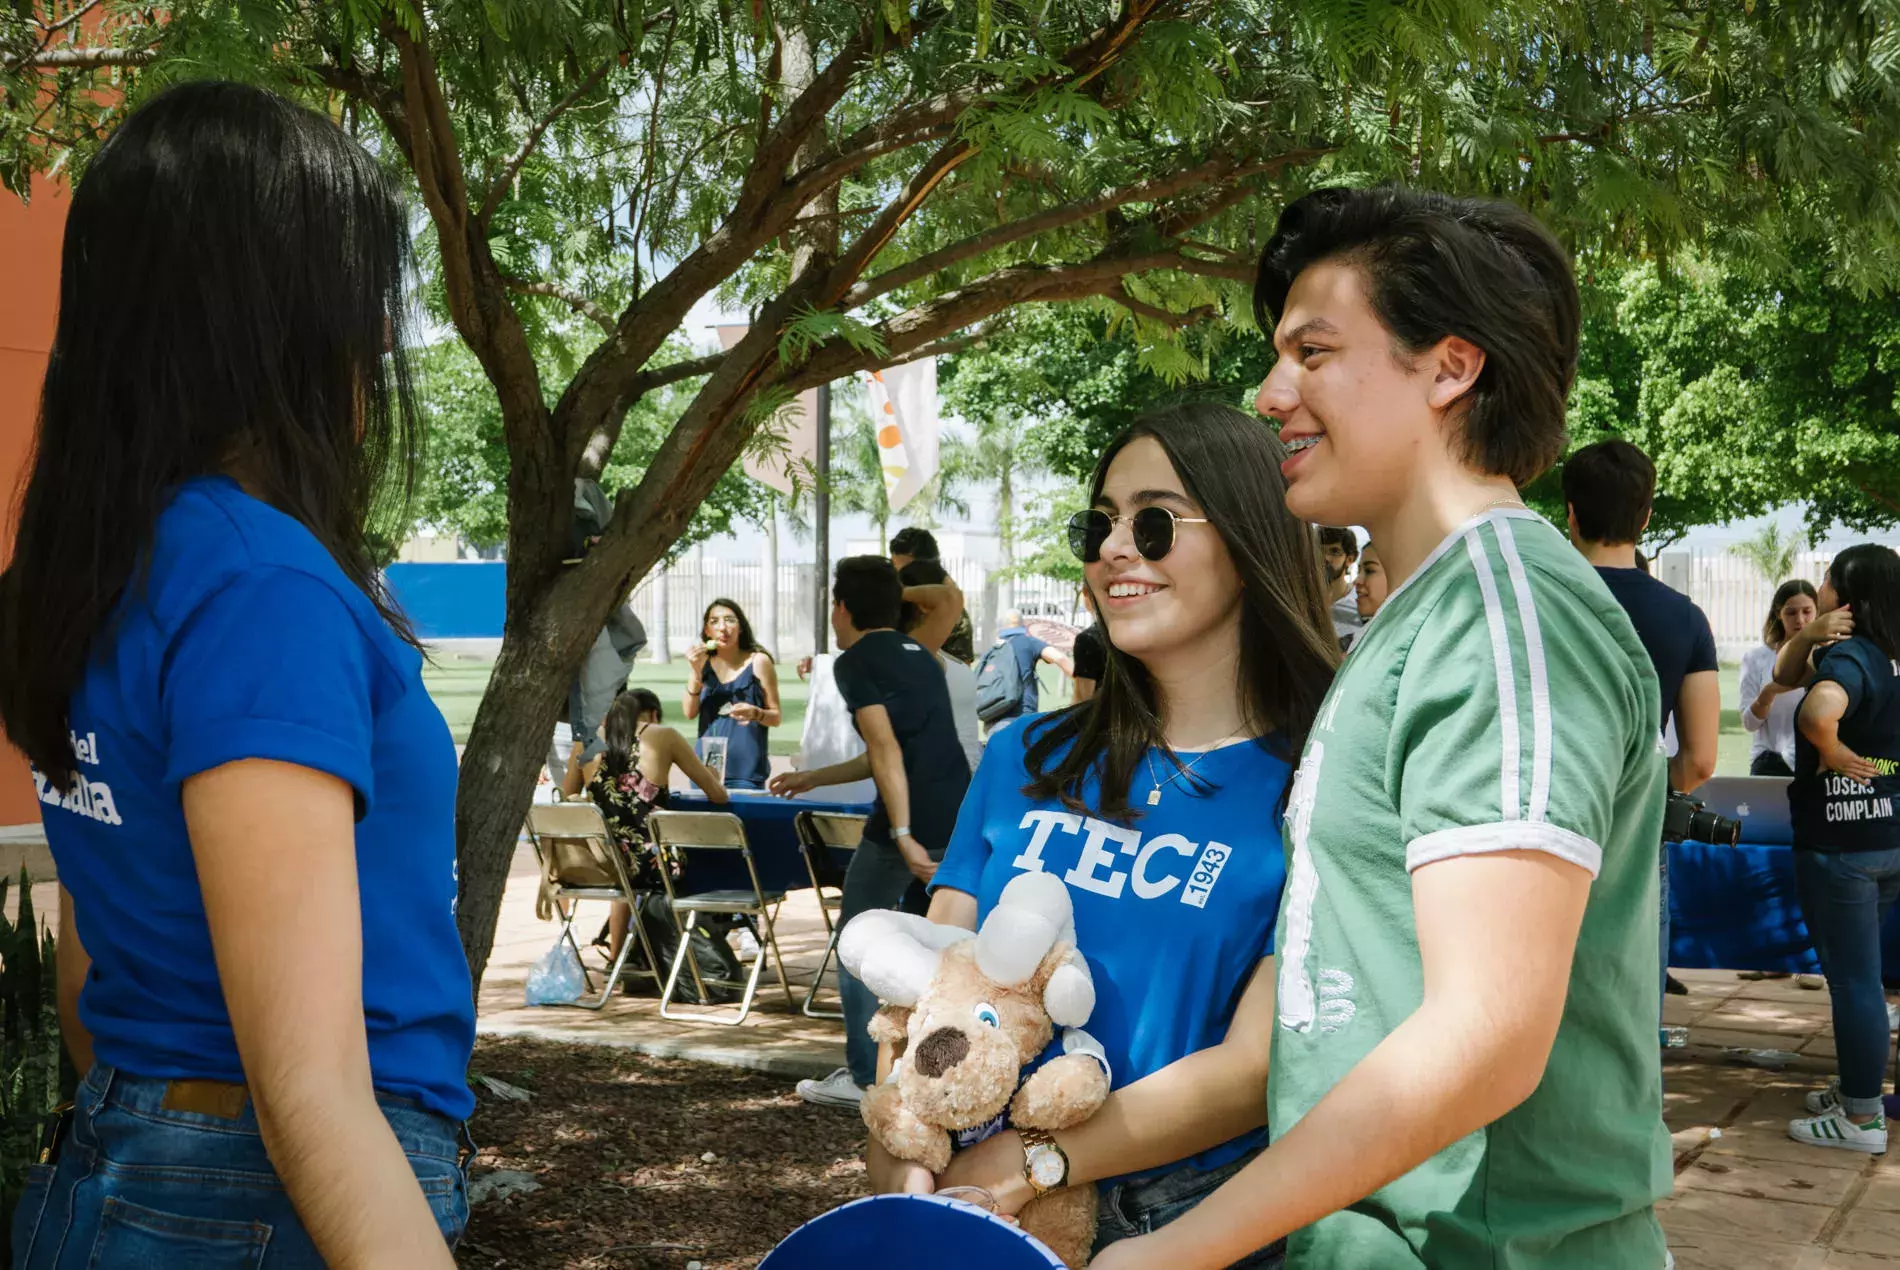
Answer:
(1893, 1016)
(1835, 1130)
(1825, 1102)
(839, 1090)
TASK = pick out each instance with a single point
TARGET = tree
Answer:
(1772, 553)
(995, 457)
(883, 181)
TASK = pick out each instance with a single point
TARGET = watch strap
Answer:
(1033, 1139)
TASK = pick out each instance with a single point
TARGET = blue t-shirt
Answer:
(1674, 631)
(244, 639)
(1173, 911)
(1028, 650)
(1838, 813)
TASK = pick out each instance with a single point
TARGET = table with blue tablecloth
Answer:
(769, 831)
(1737, 908)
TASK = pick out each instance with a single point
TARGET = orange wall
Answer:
(29, 297)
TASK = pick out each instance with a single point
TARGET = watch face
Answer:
(1047, 1167)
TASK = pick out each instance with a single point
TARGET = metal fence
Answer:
(1732, 592)
(675, 599)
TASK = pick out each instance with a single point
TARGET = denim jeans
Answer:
(1845, 895)
(877, 878)
(138, 1187)
(1128, 1209)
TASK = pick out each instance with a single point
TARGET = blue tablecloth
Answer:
(769, 831)
(1736, 908)
(920, 1232)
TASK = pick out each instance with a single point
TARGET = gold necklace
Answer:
(1182, 769)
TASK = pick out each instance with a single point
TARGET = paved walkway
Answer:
(1746, 1197)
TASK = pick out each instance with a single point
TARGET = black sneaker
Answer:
(1675, 987)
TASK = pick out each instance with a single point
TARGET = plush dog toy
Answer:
(976, 1010)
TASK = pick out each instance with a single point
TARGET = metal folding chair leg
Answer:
(778, 959)
(567, 933)
(613, 979)
(811, 993)
(746, 1001)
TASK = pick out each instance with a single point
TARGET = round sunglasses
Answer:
(1152, 527)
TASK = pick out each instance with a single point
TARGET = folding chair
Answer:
(579, 861)
(696, 833)
(827, 841)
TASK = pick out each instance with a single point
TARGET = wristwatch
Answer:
(1045, 1165)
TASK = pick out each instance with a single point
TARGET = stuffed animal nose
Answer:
(941, 1050)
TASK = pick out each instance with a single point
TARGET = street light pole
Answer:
(821, 527)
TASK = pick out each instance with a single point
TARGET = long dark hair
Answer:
(230, 299)
(1229, 463)
(1867, 577)
(621, 728)
(1773, 632)
(748, 643)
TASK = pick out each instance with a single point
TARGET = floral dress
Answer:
(625, 799)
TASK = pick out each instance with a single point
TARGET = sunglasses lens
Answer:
(1154, 532)
(1088, 530)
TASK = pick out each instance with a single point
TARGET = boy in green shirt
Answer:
(1465, 1071)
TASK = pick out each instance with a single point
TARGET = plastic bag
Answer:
(556, 979)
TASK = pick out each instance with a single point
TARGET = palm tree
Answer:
(997, 457)
(1772, 554)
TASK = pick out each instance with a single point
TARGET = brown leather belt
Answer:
(219, 1099)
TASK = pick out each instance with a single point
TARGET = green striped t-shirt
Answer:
(1499, 700)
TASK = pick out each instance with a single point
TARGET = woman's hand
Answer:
(922, 867)
(791, 784)
(891, 1176)
(1830, 628)
(744, 712)
(1837, 757)
(996, 1165)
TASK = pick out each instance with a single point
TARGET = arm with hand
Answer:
(1059, 659)
(1820, 721)
(788, 784)
(893, 786)
(1698, 729)
(1189, 1106)
(1758, 691)
(767, 715)
(940, 605)
(696, 666)
(1496, 934)
(275, 848)
(1794, 664)
(578, 773)
(680, 753)
(71, 966)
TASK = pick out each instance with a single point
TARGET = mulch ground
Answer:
(619, 1143)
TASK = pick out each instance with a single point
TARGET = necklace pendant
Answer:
(1154, 797)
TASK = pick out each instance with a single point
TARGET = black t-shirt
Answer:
(1836, 813)
(1091, 654)
(1672, 628)
(891, 670)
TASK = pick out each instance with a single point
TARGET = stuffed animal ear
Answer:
(1069, 996)
(1030, 917)
(895, 955)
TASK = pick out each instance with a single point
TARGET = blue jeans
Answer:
(876, 878)
(1845, 895)
(138, 1187)
(1128, 1209)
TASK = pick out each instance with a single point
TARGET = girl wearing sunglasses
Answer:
(1155, 801)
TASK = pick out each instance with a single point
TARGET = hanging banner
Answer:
(797, 424)
(904, 406)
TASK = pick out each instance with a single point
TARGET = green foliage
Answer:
(1772, 552)
(34, 1076)
(464, 483)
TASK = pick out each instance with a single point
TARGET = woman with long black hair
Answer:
(1156, 802)
(248, 793)
(732, 689)
(1846, 835)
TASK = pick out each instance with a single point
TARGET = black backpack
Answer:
(999, 683)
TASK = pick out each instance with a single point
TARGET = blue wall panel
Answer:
(464, 600)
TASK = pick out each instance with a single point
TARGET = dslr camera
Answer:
(1685, 818)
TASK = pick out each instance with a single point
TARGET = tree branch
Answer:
(1015, 231)
(572, 299)
(647, 380)
(1166, 317)
(499, 190)
(85, 59)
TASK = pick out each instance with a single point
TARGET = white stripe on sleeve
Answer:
(1540, 677)
(1463, 840)
(1507, 678)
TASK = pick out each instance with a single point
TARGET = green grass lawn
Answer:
(456, 681)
